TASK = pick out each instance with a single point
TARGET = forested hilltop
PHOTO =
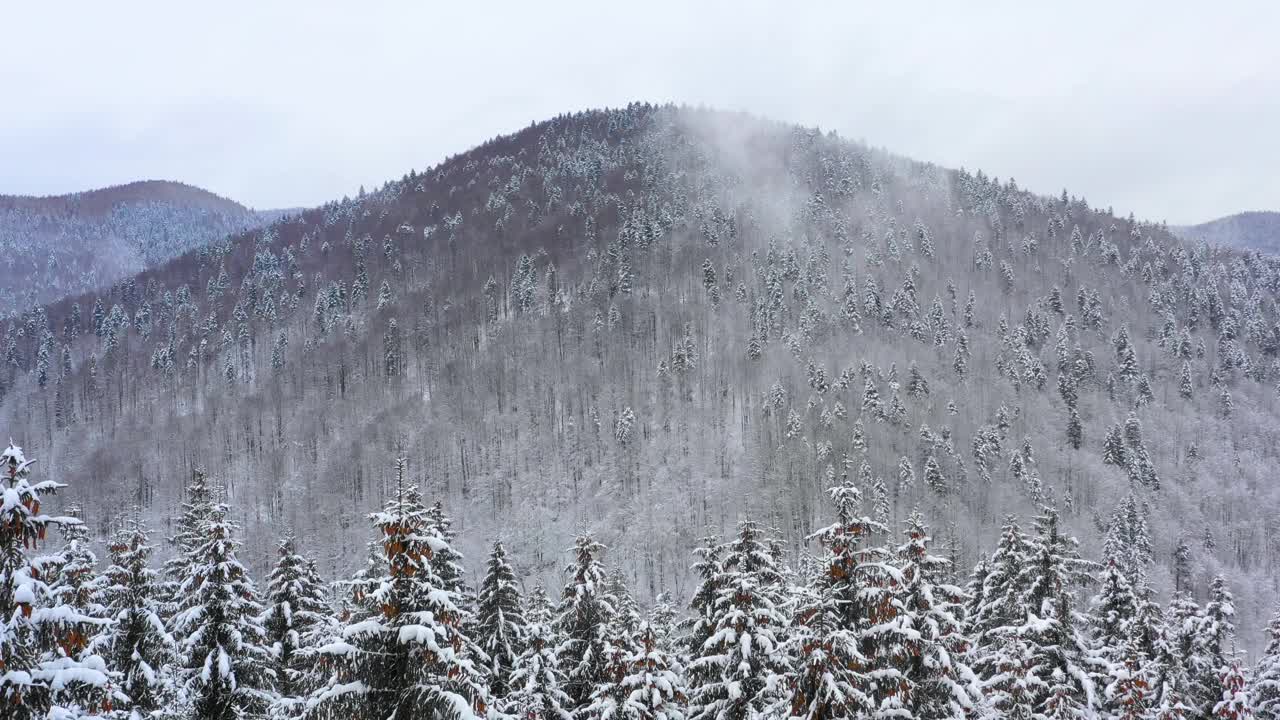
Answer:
(649, 324)
(67, 244)
(1249, 230)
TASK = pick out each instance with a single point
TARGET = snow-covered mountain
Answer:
(63, 245)
(651, 322)
(1250, 230)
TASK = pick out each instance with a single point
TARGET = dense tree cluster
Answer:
(867, 626)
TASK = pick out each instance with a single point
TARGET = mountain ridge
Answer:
(1254, 229)
(65, 244)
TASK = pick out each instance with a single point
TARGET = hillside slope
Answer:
(66, 244)
(1249, 230)
(651, 321)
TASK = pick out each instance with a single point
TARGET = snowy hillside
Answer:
(64, 245)
(1250, 230)
(651, 323)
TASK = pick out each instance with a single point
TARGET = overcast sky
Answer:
(1170, 111)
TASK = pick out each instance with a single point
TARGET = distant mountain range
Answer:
(57, 246)
(1254, 230)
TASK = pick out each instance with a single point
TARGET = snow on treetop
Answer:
(13, 455)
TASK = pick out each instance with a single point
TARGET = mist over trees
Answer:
(648, 324)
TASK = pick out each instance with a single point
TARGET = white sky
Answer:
(1169, 110)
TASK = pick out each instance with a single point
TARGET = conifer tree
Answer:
(500, 626)
(1001, 601)
(1128, 694)
(939, 683)
(699, 627)
(1233, 703)
(297, 616)
(72, 614)
(136, 644)
(1113, 613)
(217, 626)
(584, 621)
(1266, 680)
(196, 507)
(933, 477)
(1210, 632)
(404, 655)
(642, 685)
(1053, 626)
(742, 662)
(1011, 689)
(832, 677)
(537, 684)
(32, 687)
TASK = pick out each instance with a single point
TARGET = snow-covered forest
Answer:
(870, 624)
(68, 244)
(647, 327)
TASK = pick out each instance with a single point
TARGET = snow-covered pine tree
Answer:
(1128, 694)
(626, 613)
(72, 617)
(643, 685)
(584, 621)
(537, 684)
(742, 665)
(701, 624)
(1266, 679)
(1010, 688)
(136, 644)
(1000, 603)
(405, 655)
(297, 613)
(500, 626)
(187, 537)
(1208, 658)
(1112, 615)
(1233, 702)
(831, 676)
(939, 683)
(218, 628)
(28, 683)
(663, 618)
(538, 608)
(1053, 627)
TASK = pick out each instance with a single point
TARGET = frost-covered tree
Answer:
(69, 681)
(1265, 692)
(584, 621)
(403, 655)
(500, 625)
(537, 684)
(297, 614)
(741, 665)
(220, 636)
(188, 535)
(642, 685)
(833, 675)
(136, 644)
(1233, 702)
(1053, 626)
(935, 674)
